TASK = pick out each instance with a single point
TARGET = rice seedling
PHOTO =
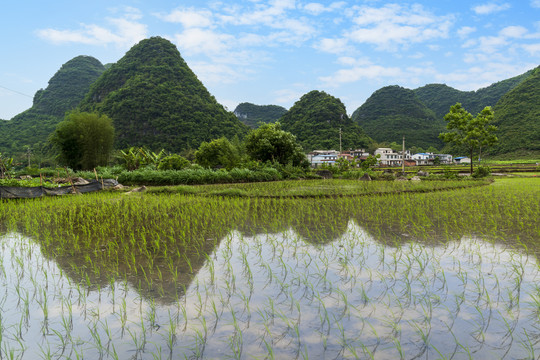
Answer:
(296, 275)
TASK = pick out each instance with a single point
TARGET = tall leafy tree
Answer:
(270, 143)
(85, 140)
(473, 133)
(217, 153)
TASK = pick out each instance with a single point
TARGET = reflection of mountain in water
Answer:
(158, 247)
(316, 221)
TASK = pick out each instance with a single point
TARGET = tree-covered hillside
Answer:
(252, 115)
(155, 100)
(64, 92)
(517, 114)
(393, 112)
(440, 97)
(315, 120)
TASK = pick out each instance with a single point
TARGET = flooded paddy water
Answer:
(438, 275)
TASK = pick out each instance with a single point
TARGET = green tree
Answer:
(370, 162)
(85, 140)
(471, 132)
(217, 153)
(270, 143)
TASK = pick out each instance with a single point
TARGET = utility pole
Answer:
(340, 140)
(28, 154)
(403, 156)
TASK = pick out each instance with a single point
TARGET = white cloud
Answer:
(535, 3)
(513, 32)
(204, 41)
(318, 8)
(212, 73)
(464, 31)
(532, 49)
(189, 17)
(350, 61)
(490, 8)
(268, 15)
(358, 73)
(333, 46)
(288, 96)
(315, 8)
(491, 44)
(477, 77)
(395, 24)
(123, 31)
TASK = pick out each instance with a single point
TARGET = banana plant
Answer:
(6, 165)
(135, 157)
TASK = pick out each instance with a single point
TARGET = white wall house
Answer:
(445, 158)
(319, 157)
(359, 153)
(390, 157)
(462, 160)
(423, 158)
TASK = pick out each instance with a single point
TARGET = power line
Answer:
(17, 92)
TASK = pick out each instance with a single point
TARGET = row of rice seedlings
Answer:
(258, 291)
(313, 188)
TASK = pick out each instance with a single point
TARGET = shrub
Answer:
(354, 174)
(173, 162)
(481, 172)
(449, 174)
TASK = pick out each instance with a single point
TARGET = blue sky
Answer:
(273, 52)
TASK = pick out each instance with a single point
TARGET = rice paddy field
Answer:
(449, 274)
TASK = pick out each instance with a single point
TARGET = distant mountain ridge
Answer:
(517, 115)
(155, 100)
(439, 97)
(65, 90)
(251, 114)
(393, 112)
(316, 120)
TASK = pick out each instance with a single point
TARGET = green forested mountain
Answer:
(439, 97)
(252, 115)
(316, 119)
(393, 112)
(517, 114)
(65, 90)
(155, 100)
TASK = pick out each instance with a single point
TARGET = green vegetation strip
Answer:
(318, 188)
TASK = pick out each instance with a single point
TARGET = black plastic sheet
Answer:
(12, 192)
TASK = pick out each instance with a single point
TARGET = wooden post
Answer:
(403, 157)
(71, 182)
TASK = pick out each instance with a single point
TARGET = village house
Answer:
(320, 157)
(462, 160)
(424, 158)
(444, 158)
(389, 157)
